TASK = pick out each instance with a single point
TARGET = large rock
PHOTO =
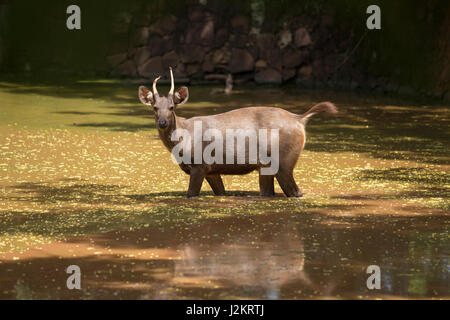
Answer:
(179, 72)
(200, 33)
(164, 26)
(273, 58)
(288, 74)
(260, 65)
(292, 58)
(240, 24)
(284, 39)
(239, 41)
(253, 50)
(192, 53)
(319, 70)
(193, 69)
(302, 38)
(170, 59)
(139, 37)
(152, 68)
(156, 44)
(207, 33)
(265, 42)
(268, 51)
(141, 55)
(127, 69)
(169, 43)
(221, 56)
(160, 45)
(304, 76)
(305, 72)
(241, 61)
(268, 76)
(208, 65)
(220, 38)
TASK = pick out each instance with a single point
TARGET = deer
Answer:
(289, 128)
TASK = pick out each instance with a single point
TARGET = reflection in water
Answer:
(271, 256)
(259, 267)
(290, 260)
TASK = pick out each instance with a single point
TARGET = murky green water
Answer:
(85, 181)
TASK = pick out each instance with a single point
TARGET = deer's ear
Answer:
(146, 96)
(181, 96)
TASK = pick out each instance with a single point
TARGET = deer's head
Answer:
(164, 107)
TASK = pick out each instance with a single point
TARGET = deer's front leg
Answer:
(216, 183)
(287, 183)
(197, 175)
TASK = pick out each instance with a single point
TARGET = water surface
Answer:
(85, 181)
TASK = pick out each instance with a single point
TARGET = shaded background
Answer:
(257, 41)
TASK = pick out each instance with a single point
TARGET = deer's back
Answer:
(249, 118)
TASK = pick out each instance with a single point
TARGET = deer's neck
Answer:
(165, 135)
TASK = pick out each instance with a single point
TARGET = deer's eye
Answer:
(155, 109)
(171, 108)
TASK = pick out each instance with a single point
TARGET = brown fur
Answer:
(291, 140)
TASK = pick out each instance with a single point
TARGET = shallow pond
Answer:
(86, 181)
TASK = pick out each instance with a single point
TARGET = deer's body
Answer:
(291, 129)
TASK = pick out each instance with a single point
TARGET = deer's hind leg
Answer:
(216, 183)
(287, 183)
(266, 185)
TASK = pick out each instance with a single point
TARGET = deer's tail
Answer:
(326, 107)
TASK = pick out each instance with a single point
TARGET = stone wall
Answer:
(202, 42)
(310, 43)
